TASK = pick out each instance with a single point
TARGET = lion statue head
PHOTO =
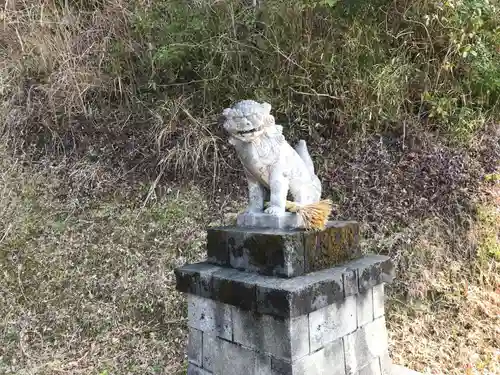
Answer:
(247, 120)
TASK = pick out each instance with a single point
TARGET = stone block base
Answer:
(284, 297)
(287, 302)
(348, 337)
(283, 253)
(262, 220)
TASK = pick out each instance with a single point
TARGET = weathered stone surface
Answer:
(350, 278)
(286, 297)
(266, 251)
(300, 326)
(235, 288)
(209, 351)
(328, 360)
(234, 359)
(300, 295)
(332, 322)
(195, 370)
(378, 300)
(281, 367)
(364, 304)
(209, 316)
(287, 220)
(372, 270)
(386, 365)
(286, 338)
(364, 345)
(337, 244)
(281, 252)
(217, 246)
(195, 279)
(372, 369)
(195, 346)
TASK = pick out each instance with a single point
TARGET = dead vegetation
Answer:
(112, 163)
(87, 286)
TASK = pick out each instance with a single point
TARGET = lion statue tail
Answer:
(314, 215)
(301, 149)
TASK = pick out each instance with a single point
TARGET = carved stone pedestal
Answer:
(272, 302)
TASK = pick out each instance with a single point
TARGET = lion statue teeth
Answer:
(272, 167)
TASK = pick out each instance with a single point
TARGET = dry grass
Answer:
(430, 207)
(88, 287)
(447, 322)
(455, 333)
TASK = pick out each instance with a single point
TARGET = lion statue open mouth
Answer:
(272, 167)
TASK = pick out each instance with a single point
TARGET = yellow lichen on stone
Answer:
(332, 246)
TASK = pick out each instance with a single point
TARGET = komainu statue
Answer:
(274, 170)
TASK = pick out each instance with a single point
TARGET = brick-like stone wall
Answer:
(284, 297)
(287, 302)
(347, 337)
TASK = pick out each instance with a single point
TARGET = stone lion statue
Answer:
(272, 167)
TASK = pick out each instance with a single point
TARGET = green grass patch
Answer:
(488, 223)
